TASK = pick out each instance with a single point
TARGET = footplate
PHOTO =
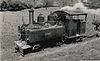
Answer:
(22, 47)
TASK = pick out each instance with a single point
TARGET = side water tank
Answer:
(40, 18)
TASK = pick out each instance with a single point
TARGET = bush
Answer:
(3, 6)
(14, 5)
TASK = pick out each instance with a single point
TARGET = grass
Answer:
(74, 52)
(10, 22)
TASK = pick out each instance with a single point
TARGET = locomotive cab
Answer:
(73, 21)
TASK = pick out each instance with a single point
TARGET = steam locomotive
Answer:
(59, 28)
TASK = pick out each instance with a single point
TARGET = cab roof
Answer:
(72, 12)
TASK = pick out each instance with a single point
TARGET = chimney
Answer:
(31, 16)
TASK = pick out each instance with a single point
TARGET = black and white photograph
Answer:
(49, 30)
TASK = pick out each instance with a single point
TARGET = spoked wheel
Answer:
(36, 47)
(65, 39)
(59, 43)
(79, 39)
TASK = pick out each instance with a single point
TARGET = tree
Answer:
(48, 3)
(3, 6)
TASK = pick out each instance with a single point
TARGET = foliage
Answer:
(26, 4)
(14, 5)
(3, 5)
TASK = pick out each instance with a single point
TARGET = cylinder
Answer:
(31, 16)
